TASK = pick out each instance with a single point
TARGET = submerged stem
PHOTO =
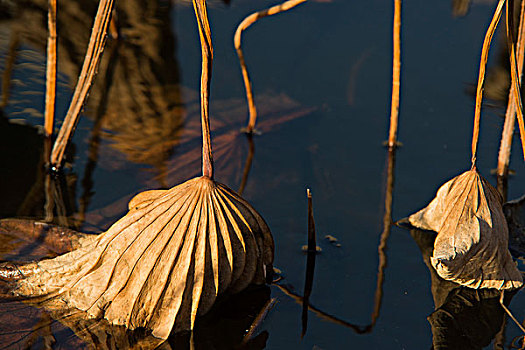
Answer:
(207, 59)
(481, 76)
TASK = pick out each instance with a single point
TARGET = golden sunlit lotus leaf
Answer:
(165, 261)
(472, 243)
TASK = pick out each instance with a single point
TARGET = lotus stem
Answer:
(481, 77)
(396, 73)
(387, 225)
(207, 59)
(515, 80)
(510, 115)
(311, 224)
(310, 263)
(89, 68)
(51, 68)
(248, 21)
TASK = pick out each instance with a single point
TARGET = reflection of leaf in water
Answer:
(222, 328)
(464, 318)
(515, 214)
(144, 102)
(144, 110)
(228, 142)
(460, 7)
(472, 243)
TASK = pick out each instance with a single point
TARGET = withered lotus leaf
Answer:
(165, 261)
(471, 247)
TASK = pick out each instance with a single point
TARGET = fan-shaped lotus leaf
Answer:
(471, 247)
(164, 261)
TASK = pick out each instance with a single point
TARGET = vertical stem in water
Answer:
(51, 67)
(515, 79)
(481, 76)
(310, 264)
(510, 115)
(396, 73)
(207, 58)
(248, 21)
(89, 68)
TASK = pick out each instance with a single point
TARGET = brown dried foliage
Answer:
(167, 259)
(472, 243)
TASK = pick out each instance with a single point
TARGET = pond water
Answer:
(322, 80)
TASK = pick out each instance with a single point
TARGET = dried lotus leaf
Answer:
(472, 243)
(144, 198)
(165, 261)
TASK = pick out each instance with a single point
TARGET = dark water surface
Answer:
(321, 74)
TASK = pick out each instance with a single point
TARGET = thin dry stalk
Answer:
(89, 68)
(510, 115)
(248, 21)
(207, 59)
(396, 73)
(310, 264)
(51, 67)
(481, 77)
(378, 296)
(515, 81)
(311, 224)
